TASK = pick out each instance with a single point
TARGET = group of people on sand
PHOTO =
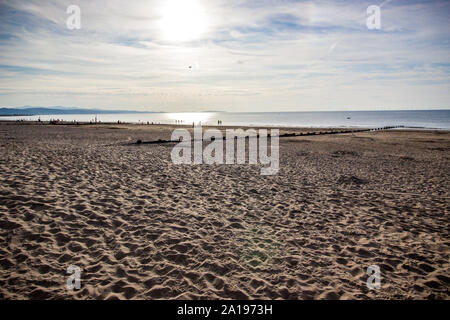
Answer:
(219, 122)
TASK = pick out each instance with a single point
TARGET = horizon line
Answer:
(217, 111)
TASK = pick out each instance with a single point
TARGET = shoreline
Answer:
(169, 125)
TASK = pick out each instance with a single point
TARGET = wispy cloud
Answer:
(250, 55)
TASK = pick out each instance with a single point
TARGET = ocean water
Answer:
(433, 119)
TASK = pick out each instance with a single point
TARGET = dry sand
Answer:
(141, 227)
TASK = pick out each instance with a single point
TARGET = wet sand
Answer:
(141, 227)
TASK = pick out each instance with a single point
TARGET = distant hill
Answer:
(38, 111)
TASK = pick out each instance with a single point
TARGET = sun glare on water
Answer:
(183, 20)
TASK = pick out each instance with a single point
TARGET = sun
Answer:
(182, 20)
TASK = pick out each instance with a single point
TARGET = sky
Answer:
(228, 55)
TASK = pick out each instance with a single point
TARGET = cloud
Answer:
(252, 56)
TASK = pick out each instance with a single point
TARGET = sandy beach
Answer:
(141, 227)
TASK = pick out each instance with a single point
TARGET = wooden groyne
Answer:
(285, 135)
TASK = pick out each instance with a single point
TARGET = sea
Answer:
(416, 119)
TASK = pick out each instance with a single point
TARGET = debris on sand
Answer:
(351, 180)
